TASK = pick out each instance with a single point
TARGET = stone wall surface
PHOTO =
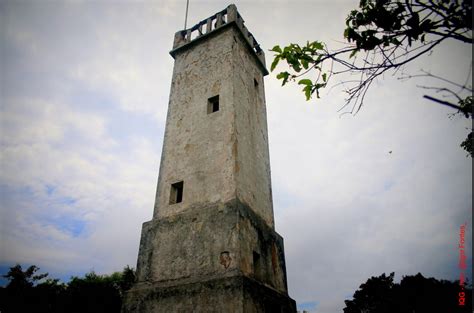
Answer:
(250, 143)
(196, 146)
(213, 241)
(229, 295)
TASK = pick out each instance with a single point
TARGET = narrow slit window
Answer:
(213, 104)
(256, 264)
(255, 83)
(176, 195)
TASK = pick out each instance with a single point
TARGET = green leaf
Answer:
(353, 53)
(296, 66)
(324, 77)
(276, 49)
(305, 82)
(395, 41)
(274, 63)
(304, 63)
(317, 45)
(307, 92)
(284, 76)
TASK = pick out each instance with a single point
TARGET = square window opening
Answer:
(213, 104)
(176, 194)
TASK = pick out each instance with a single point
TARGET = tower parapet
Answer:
(228, 16)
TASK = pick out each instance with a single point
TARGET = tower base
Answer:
(237, 294)
(218, 257)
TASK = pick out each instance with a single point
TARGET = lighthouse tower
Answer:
(211, 245)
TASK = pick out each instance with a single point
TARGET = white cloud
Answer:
(90, 183)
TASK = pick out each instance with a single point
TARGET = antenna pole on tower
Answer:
(186, 16)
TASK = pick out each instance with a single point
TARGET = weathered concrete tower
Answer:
(211, 245)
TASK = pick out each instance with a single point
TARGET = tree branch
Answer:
(446, 103)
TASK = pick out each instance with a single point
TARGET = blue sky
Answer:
(83, 99)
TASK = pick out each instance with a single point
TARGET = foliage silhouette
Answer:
(413, 294)
(92, 293)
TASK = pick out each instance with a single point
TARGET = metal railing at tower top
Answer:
(214, 22)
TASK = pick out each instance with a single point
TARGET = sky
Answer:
(84, 89)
